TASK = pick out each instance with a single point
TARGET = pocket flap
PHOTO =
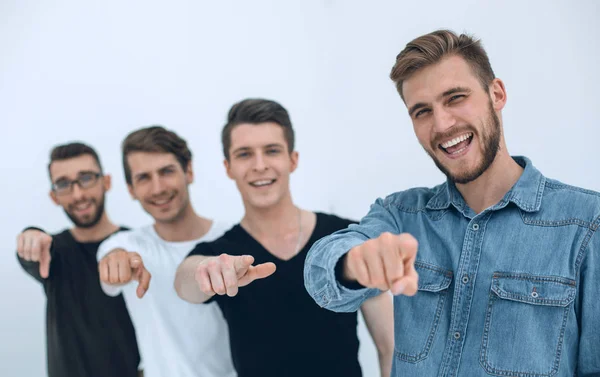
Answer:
(532, 289)
(432, 278)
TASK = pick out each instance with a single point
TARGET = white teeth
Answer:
(161, 202)
(456, 140)
(262, 183)
(83, 206)
(460, 150)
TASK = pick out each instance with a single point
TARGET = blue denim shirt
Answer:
(511, 291)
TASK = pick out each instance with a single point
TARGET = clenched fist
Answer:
(121, 266)
(225, 274)
(34, 245)
(386, 263)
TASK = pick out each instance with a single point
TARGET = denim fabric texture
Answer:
(511, 291)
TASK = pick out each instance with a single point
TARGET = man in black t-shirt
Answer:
(88, 333)
(275, 328)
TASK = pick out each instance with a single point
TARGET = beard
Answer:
(491, 146)
(95, 218)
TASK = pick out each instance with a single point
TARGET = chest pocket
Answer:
(417, 318)
(525, 324)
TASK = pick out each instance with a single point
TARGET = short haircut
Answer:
(256, 111)
(72, 150)
(431, 48)
(155, 139)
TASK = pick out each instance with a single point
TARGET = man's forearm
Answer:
(378, 313)
(185, 281)
(385, 362)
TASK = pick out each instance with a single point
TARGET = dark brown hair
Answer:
(155, 139)
(431, 48)
(72, 150)
(255, 111)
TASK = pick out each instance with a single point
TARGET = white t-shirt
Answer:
(175, 338)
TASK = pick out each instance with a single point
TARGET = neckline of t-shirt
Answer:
(93, 243)
(207, 236)
(310, 241)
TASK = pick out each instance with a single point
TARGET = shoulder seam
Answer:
(559, 185)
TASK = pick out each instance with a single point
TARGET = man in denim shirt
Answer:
(506, 280)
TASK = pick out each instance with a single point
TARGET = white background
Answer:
(94, 71)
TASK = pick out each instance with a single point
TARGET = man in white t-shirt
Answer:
(175, 338)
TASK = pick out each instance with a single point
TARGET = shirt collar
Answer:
(525, 194)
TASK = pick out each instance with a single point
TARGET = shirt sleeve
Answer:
(589, 307)
(118, 240)
(204, 249)
(320, 268)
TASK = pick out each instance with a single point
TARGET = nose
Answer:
(157, 185)
(443, 119)
(259, 162)
(77, 192)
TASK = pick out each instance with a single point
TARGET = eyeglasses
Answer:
(85, 180)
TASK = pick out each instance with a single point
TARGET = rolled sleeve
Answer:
(320, 279)
(319, 274)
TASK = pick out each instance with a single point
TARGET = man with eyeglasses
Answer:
(88, 333)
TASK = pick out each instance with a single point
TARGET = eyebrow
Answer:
(63, 177)
(162, 168)
(88, 172)
(140, 175)
(240, 149)
(416, 107)
(166, 167)
(447, 93)
(273, 145)
(457, 89)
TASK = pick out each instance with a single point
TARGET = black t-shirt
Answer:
(88, 334)
(276, 329)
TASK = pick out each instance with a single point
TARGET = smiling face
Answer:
(82, 201)
(160, 184)
(454, 118)
(260, 164)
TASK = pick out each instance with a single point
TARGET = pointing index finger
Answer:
(243, 262)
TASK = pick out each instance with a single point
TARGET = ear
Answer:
(53, 197)
(497, 93)
(227, 165)
(131, 192)
(294, 159)
(189, 173)
(107, 182)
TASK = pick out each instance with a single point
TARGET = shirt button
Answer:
(457, 335)
(475, 226)
(465, 279)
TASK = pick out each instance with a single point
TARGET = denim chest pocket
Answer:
(525, 323)
(416, 318)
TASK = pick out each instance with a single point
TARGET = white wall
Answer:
(95, 71)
